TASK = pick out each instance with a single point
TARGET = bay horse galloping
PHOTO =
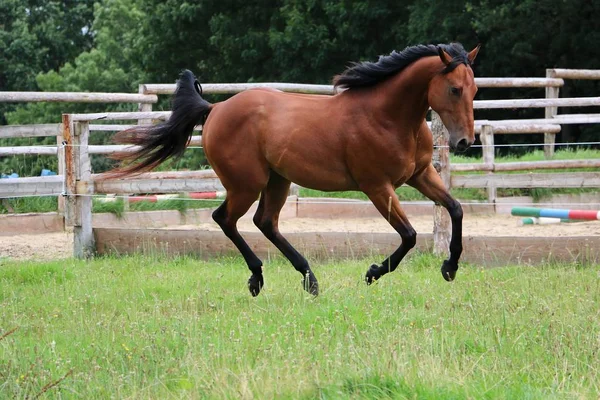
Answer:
(371, 137)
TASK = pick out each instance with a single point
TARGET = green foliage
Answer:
(113, 45)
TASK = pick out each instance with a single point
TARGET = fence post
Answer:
(61, 168)
(78, 174)
(487, 141)
(550, 112)
(441, 162)
(144, 107)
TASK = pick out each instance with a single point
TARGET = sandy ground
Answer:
(60, 245)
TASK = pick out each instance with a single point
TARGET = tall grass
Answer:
(147, 327)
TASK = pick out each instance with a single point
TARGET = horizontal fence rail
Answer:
(525, 165)
(528, 181)
(39, 130)
(231, 88)
(559, 73)
(81, 97)
(33, 186)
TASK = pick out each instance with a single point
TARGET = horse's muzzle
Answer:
(460, 146)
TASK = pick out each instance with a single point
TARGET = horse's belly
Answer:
(320, 174)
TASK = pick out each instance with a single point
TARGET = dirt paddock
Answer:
(60, 245)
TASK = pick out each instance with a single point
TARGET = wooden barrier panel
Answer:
(535, 180)
(480, 251)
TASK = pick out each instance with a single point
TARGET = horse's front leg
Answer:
(385, 200)
(430, 184)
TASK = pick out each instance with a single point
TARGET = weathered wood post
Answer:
(487, 140)
(78, 174)
(60, 153)
(441, 162)
(144, 107)
(550, 138)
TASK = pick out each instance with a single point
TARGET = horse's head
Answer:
(451, 95)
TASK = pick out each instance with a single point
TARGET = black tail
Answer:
(160, 142)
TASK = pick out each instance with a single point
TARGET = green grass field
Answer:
(152, 328)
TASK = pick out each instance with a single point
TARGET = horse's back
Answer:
(298, 136)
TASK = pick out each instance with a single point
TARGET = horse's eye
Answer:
(456, 91)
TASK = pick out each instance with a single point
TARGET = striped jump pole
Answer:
(542, 221)
(589, 215)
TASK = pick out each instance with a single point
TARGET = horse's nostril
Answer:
(462, 145)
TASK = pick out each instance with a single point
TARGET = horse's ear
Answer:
(473, 53)
(446, 58)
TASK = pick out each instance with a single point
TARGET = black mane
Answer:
(367, 73)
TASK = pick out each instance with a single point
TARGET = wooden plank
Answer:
(487, 140)
(554, 164)
(28, 224)
(28, 150)
(82, 228)
(144, 107)
(208, 244)
(563, 119)
(155, 115)
(533, 180)
(35, 186)
(172, 218)
(199, 174)
(550, 112)
(70, 179)
(481, 251)
(536, 103)
(109, 149)
(60, 141)
(526, 165)
(39, 130)
(484, 82)
(500, 129)
(76, 97)
(231, 88)
(122, 127)
(109, 127)
(577, 118)
(128, 186)
(576, 73)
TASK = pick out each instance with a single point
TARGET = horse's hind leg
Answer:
(226, 215)
(266, 219)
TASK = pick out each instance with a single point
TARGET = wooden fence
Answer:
(77, 183)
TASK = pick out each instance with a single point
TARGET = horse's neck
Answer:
(404, 96)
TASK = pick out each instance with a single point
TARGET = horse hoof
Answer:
(372, 274)
(255, 284)
(449, 271)
(310, 284)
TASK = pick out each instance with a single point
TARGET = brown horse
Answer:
(370, 137)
